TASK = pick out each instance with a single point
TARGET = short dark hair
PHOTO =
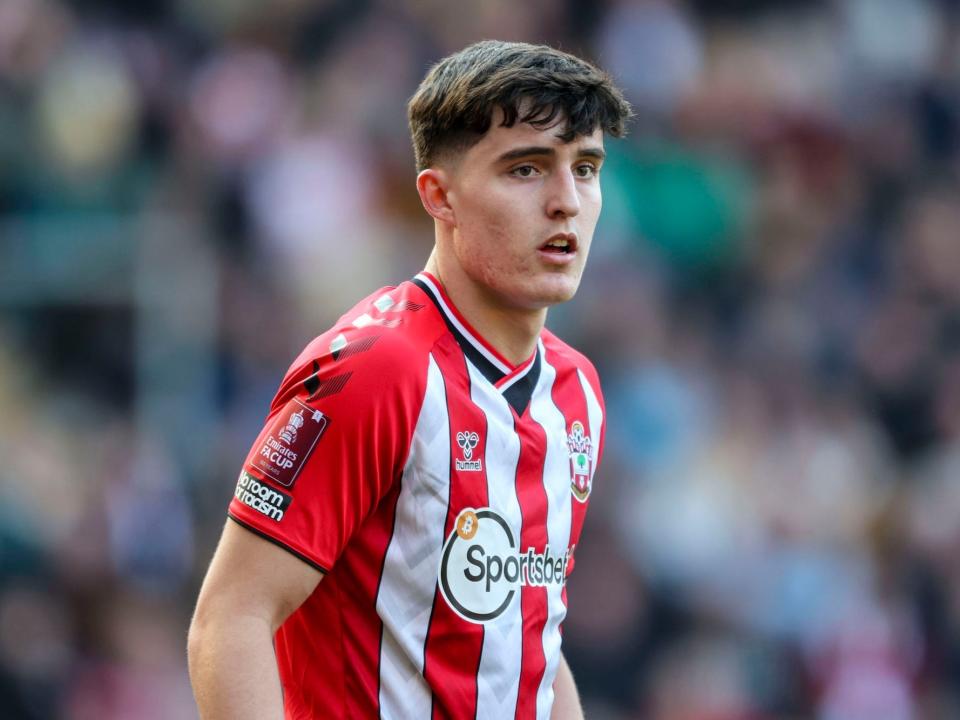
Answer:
(453, 107)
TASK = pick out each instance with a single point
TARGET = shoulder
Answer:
(566, 358)
(379, 346)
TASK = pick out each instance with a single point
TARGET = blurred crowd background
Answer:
(190, 191)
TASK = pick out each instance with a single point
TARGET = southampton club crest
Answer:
(581, 461)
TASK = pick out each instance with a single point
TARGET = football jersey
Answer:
(442, 490)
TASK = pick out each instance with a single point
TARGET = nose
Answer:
(564, 199)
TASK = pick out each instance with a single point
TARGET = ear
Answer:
(433, 185)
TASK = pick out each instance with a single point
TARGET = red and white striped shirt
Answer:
(442, 490)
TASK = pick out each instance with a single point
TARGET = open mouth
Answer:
(560, 244)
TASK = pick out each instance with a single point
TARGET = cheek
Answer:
(485, 252)
(491, 234)
(587, 220)
(590, 206)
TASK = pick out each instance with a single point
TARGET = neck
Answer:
(512, 331)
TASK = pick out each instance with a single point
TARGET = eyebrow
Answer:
(543, 151)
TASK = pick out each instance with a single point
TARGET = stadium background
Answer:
(190, 191)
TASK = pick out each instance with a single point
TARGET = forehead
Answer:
(500, 139)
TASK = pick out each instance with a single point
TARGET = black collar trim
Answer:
(518, 391)
(515, 384)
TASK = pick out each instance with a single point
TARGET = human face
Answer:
(525, 205)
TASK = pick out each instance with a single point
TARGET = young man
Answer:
(430, 458)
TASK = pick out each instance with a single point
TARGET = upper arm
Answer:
(251, 576)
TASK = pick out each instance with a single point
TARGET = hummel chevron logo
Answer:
(467, 442)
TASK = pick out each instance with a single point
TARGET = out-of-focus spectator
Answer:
(189, 192)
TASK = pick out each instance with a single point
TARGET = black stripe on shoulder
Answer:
(278, 543)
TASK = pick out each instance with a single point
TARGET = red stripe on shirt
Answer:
(362, 585)
(533, 600)
(343, 616)
(454, 645)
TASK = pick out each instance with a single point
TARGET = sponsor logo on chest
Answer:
(482, 570)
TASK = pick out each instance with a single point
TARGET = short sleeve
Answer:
(335, 440)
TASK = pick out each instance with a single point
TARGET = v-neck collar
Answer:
(515, 382)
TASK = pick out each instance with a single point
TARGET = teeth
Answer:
(558, 243)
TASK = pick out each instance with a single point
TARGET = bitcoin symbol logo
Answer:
(467, 525)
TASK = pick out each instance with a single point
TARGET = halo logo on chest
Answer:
(482, 571)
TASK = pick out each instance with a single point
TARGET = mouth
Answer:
(560, 244)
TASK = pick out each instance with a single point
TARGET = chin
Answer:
(554, 292)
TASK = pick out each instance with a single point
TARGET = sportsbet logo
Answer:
(481, 569)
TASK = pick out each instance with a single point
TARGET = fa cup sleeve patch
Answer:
(285, 444)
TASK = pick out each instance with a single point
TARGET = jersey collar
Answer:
(515, 382)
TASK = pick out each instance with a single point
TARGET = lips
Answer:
(560, 244)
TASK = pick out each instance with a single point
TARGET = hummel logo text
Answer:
(467, 442)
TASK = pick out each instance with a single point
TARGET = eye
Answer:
(524, 171)
(586, 170)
